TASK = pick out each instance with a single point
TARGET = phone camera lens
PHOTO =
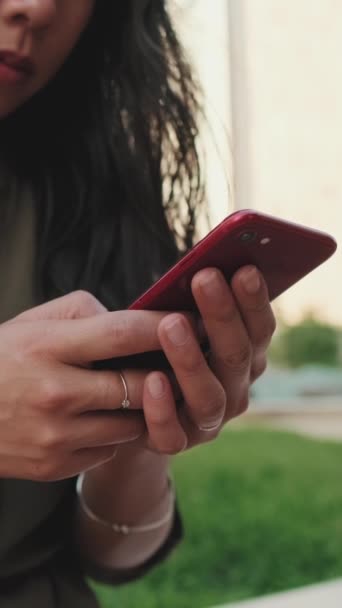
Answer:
(247, 237)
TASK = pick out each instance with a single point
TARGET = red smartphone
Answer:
(283, 251)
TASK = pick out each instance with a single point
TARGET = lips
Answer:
(16, 62)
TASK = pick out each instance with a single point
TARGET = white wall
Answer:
(293, 77)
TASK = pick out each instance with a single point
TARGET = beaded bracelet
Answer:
(123, 528)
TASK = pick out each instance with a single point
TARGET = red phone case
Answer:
(283, 251)
(289, 252)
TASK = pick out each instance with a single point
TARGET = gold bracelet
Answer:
(123, 528)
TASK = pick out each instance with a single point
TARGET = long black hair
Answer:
(110, 150)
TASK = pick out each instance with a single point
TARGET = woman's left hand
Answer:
(239, 323)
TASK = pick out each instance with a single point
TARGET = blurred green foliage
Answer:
(307, 343)
(262, 513)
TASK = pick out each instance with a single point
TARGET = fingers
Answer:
(247, 301)
(203, 393)
(94, 430)
(81, 442)
(166, 435)
(230, 345)
(78, 462)
(79, 391)
(76, 305)
(68, 465)
(108, 335)
(251, 294)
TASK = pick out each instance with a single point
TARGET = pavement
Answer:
(328, 595)
(317, 418)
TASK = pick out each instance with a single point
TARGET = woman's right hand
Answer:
(57, 416)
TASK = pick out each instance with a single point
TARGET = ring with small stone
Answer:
(125, 404)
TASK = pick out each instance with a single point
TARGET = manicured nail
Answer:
(156, 386)
(251, 281)
(177, 332)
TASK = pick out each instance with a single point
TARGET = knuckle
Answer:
(228, 313)
(159, 417)
(118, 333)
(266, 332)
(86, 303)
(263, 338)
(192, 365)
(238, 361)
(262, 307)
(258, 368)
(51, 393)
(50, 437)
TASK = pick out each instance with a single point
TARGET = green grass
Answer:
(262, 512)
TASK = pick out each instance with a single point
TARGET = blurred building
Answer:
(272, 71)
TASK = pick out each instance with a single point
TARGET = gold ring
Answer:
(125, 404)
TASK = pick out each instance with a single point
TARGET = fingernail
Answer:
(177, 332)
(210, 284)
(210, 427)
(156, 386)
(251, 281)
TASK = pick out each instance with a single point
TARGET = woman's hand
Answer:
(239, 323)
(57, 416)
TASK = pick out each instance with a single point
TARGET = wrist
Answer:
(133, 503)
(155, 523)
(118, 487)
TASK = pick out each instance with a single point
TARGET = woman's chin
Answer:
(10, 105)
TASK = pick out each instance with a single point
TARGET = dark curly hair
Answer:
(110, 149)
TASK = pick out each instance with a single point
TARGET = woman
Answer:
(100, 188)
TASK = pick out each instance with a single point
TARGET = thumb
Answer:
(75, 305)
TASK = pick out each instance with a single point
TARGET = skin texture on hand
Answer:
(239, 324)
(57, 415)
